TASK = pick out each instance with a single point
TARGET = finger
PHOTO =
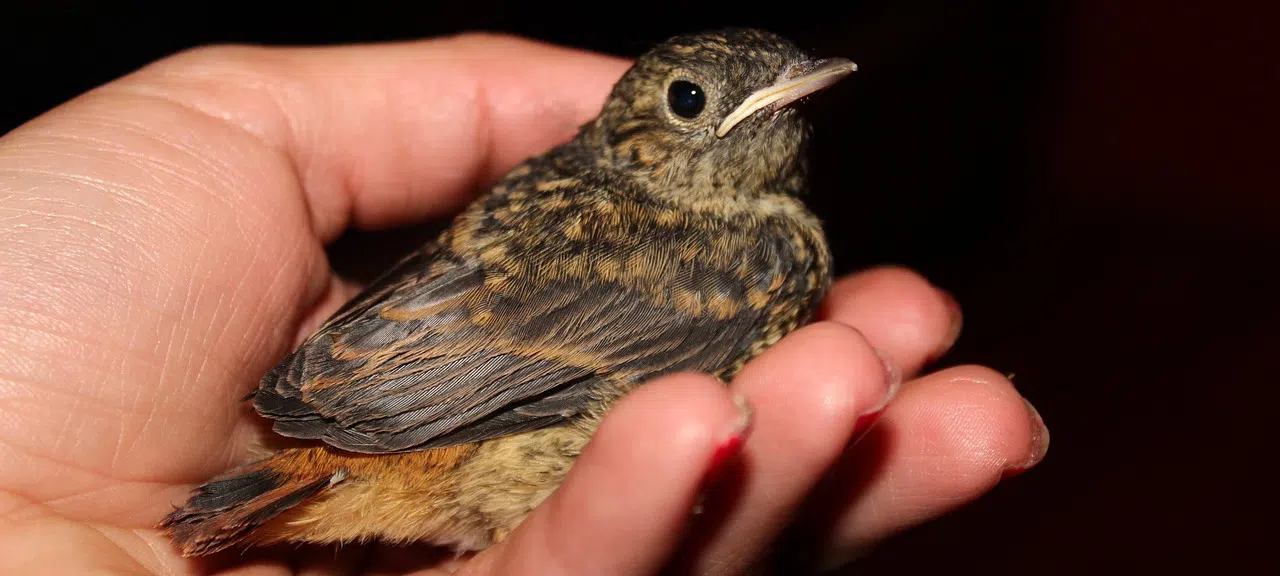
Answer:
(945, 440)
(625, 504)
(809, 391)
(389, 134)
(899, 312)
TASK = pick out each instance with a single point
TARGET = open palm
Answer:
(162, 246)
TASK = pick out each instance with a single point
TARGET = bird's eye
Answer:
(686, 99)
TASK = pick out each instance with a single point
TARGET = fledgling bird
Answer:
(451, 397)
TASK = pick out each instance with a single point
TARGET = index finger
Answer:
(382, 135)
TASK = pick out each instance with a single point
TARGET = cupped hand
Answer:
(162, 246)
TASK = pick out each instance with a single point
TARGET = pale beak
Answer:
(796, 83)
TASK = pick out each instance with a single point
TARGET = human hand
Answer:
(163, 246)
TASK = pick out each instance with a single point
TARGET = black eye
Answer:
(686, 99)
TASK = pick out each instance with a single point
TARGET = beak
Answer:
(799, 81)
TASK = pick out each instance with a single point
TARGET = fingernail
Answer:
(729, 448)
(953, 332)
(1039, 442)
(892, 381)
(734, 438)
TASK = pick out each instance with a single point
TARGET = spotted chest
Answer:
(751, 268)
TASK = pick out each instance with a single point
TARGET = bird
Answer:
(450, 397)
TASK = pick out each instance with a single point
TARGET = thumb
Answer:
(623, 507)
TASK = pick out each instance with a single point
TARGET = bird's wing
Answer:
(444, 350)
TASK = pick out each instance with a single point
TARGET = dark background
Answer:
(1093, 180)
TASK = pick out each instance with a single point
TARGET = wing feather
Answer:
(433, 355)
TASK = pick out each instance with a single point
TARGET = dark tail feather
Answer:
(220, 513)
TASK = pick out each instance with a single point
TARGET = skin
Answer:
(164, 245)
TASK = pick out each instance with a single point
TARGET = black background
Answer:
(1093, 180)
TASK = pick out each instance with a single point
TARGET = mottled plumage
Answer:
(451, 396)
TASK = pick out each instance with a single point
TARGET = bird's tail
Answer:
(223, 511)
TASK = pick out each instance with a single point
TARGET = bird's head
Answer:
(714, 114)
